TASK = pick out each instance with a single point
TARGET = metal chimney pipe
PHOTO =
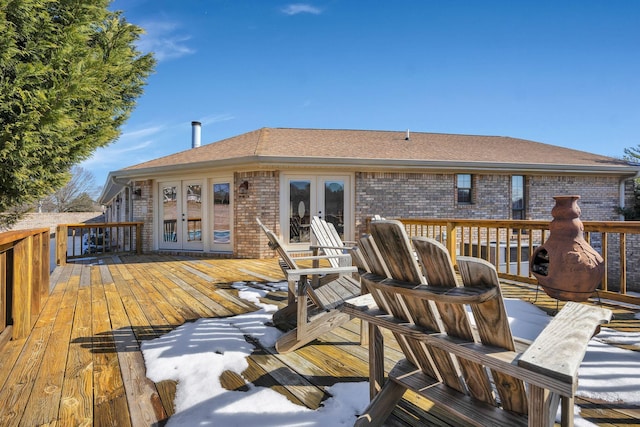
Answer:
(195, 134)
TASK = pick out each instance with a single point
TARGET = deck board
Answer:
(82, 365)
(109, 393)
(76, 404)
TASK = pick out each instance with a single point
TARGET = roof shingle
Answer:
(382, 145)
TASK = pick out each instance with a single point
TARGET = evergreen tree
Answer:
(632, 154)
(70, 75)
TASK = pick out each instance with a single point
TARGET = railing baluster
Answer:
(474, 237)
(623, 263)
(605, 278)
(101, 239)
(518, 237)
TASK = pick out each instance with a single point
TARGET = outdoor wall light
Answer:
(243, 189)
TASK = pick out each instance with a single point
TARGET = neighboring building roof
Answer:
(367, 149)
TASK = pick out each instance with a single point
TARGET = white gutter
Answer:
(112, 187)
(406, 164)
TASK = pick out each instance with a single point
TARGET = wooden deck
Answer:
(81, 364)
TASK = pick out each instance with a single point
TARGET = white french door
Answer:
(180, 215)
(304, 196)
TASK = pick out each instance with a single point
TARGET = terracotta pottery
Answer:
(566, 266)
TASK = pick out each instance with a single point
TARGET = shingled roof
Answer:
(360, 147)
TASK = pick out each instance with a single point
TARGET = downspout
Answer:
(621, 192)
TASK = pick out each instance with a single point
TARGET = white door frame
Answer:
(180, 232)
(317, 182)
(169, 228)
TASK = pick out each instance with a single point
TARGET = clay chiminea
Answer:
(566, 266)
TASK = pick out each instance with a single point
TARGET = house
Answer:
(205, 199)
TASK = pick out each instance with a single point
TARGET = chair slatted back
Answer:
(327, 237)
(396, 251)
(492, 323)
(466, 376)
(274, 243)
(438, 269)
(369, 251)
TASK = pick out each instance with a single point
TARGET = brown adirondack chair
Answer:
(312, 311)
(474, 372)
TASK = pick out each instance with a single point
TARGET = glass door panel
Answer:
(192, 215)
(169, 215)
(299, 211)
(333, 202)
(222, 216)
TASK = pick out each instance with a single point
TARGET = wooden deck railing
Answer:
(24, 280)
(509, 245)
(89, 240)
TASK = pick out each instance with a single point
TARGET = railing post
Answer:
(452, 241)
(623, 263)
(61, 245)
(22, 287)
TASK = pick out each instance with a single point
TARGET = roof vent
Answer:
(408, 137)
(195, 134)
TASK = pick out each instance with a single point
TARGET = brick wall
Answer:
(423, 195)
(261, 199)
(416, 195)
(143, 210)
(599, 196)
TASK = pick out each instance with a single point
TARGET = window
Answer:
(517, 197)
(463, 183)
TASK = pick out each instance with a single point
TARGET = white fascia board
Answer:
(422, 165)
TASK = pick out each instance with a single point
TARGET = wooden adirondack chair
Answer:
(475, 372)
(329, 242)
(312, 311)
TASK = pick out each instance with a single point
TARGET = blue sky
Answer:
(560, 72)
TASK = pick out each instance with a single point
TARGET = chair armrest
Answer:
(330, 247)
(321, 257)
(346, 248)
(559, 349)
(361, 303)
(296, 273)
